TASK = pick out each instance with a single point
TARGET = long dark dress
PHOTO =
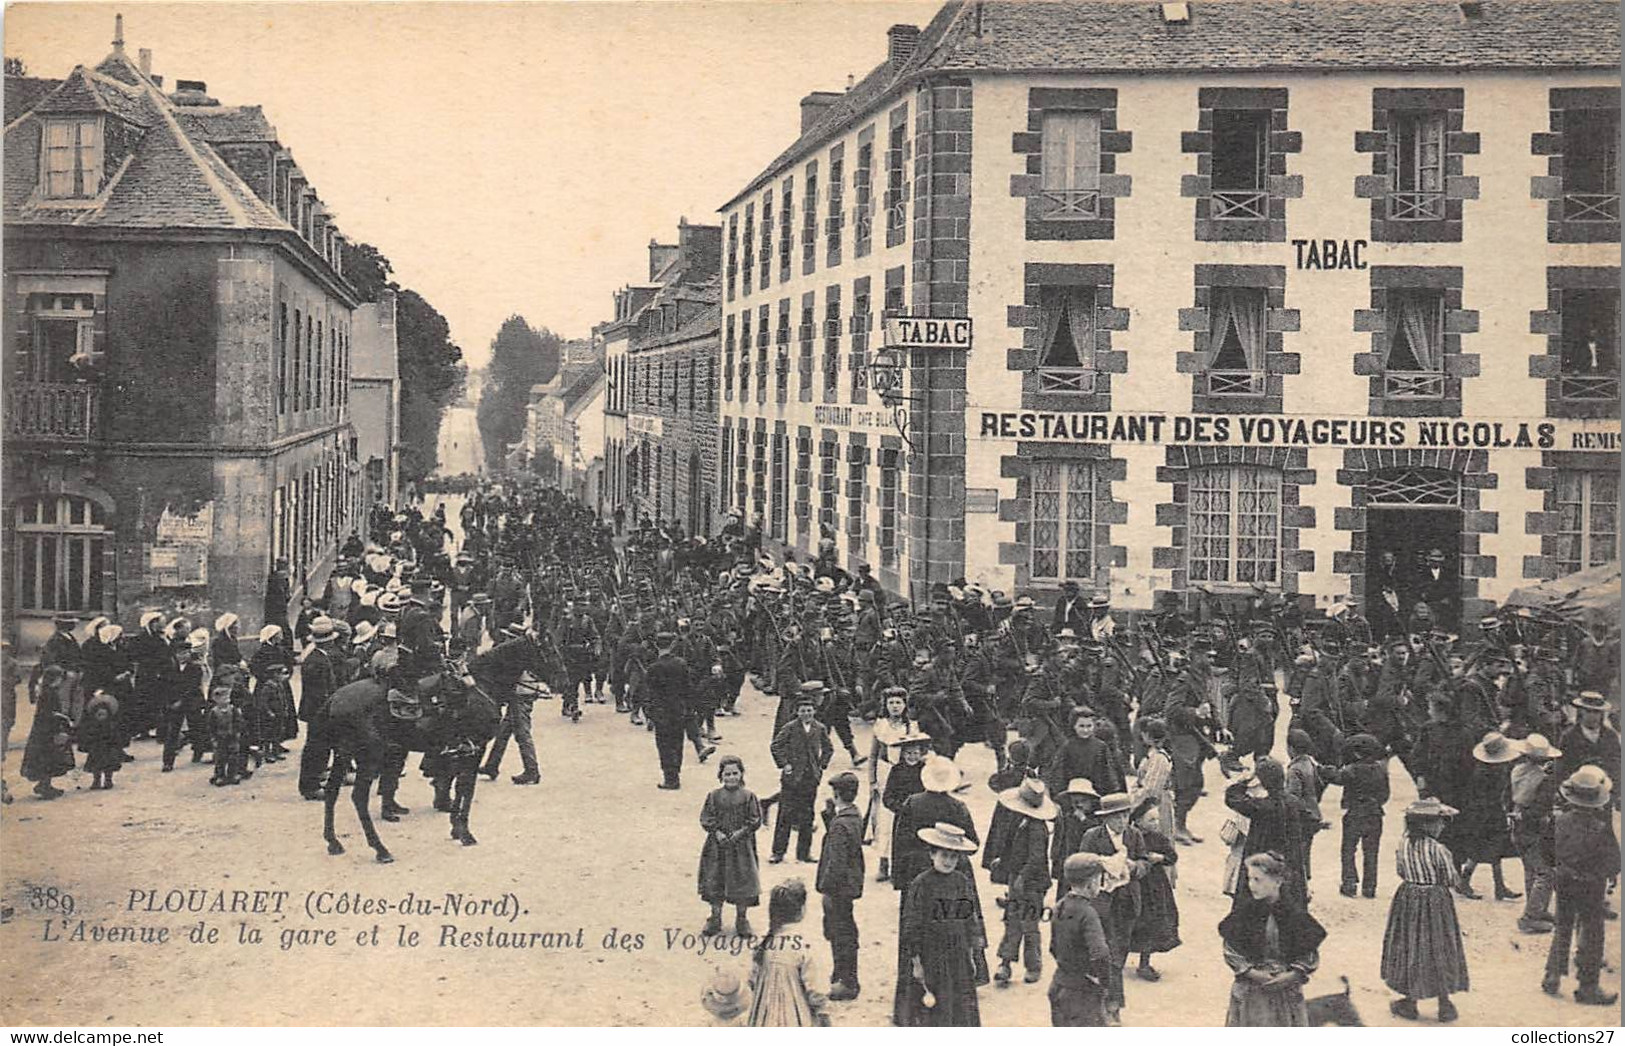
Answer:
(1275, 825)
(44, 758)
(1481, 831)
(1272, 937)
(941, 926)
(728, 871)
(1157, 928)
(902, 784)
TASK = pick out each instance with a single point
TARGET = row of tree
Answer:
(431, 365)
(521, 356)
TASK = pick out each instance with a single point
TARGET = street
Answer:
(460, 449)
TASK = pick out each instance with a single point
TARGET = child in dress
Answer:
(101, 739)
(272, 697)
(884, 754)
(1157, 928)
(728, 861)
(781, 972)
(1422, 956)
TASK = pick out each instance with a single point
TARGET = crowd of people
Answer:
(1100, 724)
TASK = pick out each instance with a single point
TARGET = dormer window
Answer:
(72, 158)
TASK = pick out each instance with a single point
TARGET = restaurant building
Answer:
(1165, 296)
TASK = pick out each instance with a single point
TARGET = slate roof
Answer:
(1131, 36)
(171, 177)
(25, 92)
(579, 384)
(1106, 36)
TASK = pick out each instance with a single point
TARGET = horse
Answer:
(375, 725)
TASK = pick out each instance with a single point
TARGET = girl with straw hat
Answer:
(940, 936)
(1422, 955)
(1483, 833)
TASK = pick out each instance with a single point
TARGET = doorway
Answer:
(1408, 535)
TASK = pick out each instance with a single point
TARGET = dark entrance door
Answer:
(1410, 535)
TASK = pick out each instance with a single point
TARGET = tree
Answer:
(521, 356)
(431, 366)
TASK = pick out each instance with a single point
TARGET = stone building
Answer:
(1166, 296)
(662, 352)
(177, 387)
(375, 401)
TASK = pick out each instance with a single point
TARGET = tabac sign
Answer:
(927, 332)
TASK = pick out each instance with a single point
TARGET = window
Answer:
(741, 485)
(1416, 165)
(1067, 364)
(1235, 524)
(781, 487)
(1413, 367)
(1590, 321)
(805, 334)
(888, 506)
(1588, 519)
(896, 184)
(1241, 140)
(64, 337)
(749, 244)
(860, 343)
(1063, 520)
(833, 222)
(60, 540)
(312, 354)
(857, 467)
(809, 220)
(692, 366)
(318, 350)
(728, 361)
(863, 199)
(762, 336)
(1591, 165)
(766, 258)
(73, 158)
(786, 224)
(1236, 342)
(829, 456)
(758, 478)
(1071, 144)
(832, 342)
(298, 359)
(781, 368)
(744, 355)
(282, 359)
(733, 254)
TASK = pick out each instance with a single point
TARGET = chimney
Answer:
(814, 106)
(900, 41)
(145, 62)
(118, 34)
(660, 255)
(192, 85)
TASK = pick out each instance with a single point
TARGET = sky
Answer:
(506, 158)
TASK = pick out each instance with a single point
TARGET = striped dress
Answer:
(1422, 956)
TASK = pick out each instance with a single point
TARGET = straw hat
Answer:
(1590, 701)
(225, 621)
(941, 774)
(1535, 746)
(915, 737)
(1431, 808)
(1588, 787)
(1030, 798)
(945, 836)
(363, 632)
(322, 629)
(1115, 803)
(722, 997)
(1496, 749)
(269, 632)
(1080, 786)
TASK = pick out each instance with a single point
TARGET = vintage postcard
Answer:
(981, 513)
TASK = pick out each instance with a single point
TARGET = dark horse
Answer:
(376, 725)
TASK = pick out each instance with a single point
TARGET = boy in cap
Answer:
(1587, 858)
(1365, 792)
(802, 751)
(1078, 943)
(840, 880)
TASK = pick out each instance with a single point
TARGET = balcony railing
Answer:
(1072, 203)
(1419, 385)
(1066, 379)
(1591, 207)
(53, 410)
(1235, 383)
(1589, 387)
(1415, 206)
(1240, 205)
